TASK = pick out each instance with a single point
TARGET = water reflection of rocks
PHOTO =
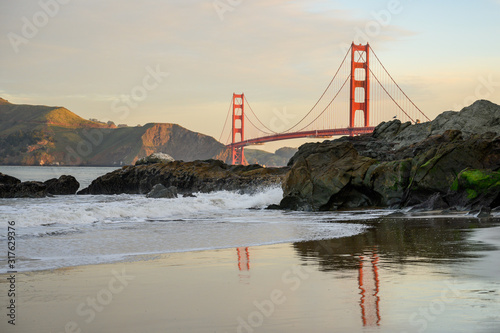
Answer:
(397, 240)
(389, 242)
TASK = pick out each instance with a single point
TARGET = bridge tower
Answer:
(360, 83)
(237, 153)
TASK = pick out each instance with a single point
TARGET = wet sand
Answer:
(418, 275)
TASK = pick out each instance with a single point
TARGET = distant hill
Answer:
(45, 135)
(14, 117)
(279, 158)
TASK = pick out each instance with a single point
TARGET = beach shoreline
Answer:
(327, 285)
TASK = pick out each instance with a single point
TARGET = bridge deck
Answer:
(306, 134)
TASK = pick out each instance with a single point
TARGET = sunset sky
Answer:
(89, 55)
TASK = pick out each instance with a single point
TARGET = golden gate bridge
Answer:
(360, 95)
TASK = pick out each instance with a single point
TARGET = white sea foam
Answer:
(102, 228)
(83, 210)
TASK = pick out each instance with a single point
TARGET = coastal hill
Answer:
(279, 158)
(45, 135)
(28, 118)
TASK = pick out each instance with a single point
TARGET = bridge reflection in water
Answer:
(368, 283)
(243, 264)
(383, 254)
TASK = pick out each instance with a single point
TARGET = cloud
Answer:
(93, 37)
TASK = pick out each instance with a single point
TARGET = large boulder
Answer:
(435, 170)
(11, 187)
(63, 186)
(318, 177)
(389, 180)
(155, 158)
(388, 130)
(23, 190)
(400, 165)
(8, 180)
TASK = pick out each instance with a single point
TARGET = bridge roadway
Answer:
(305, 134)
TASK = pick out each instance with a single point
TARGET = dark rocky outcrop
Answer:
(23, 190)
(8, 180)
(63, 186)
(449, 162)
(11, 187)
(187, 177)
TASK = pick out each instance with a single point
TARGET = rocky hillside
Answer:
(450, 162)
(279, 158)
(43, 135)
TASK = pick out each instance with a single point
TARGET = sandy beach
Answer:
(421, 275)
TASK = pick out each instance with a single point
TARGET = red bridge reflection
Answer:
(243, 258)
(244, 264)
(368, 283)
(369, 288)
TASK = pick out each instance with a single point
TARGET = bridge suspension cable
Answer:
(225, 123)
(270, 131)
(338, 92)
(360, 57)
(321, 97)
(392, 98)
(397, 85)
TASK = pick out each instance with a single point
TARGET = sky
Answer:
(179, 61)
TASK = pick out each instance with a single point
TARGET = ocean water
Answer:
(84, 175)
(63, 231)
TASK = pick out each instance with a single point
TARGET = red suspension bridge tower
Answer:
(360, 83)
(237, 153)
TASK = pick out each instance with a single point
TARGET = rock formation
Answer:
(23, 190)
(11, 187)
(448, 162)
(64, 185)
(155, 158)
(187, 177)
(8, 180)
